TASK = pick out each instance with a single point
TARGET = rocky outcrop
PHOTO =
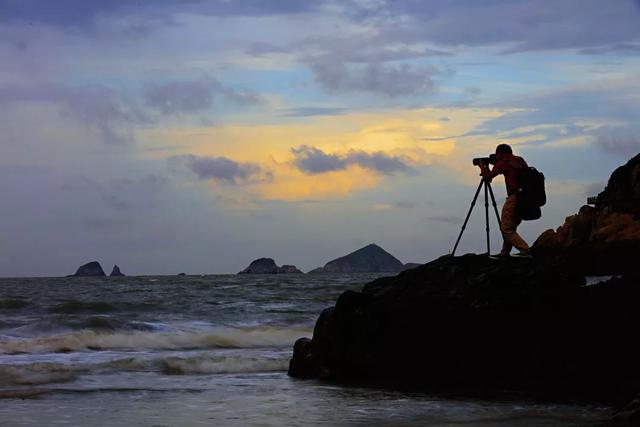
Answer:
(604, 238)
(471, 322)
(369, 259)
(629, 415)
(410, 265)
(116, 272)
(268, 266)
(289, 269)
(92, 268)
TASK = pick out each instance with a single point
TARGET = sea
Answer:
(204, 351)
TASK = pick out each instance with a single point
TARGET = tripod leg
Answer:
(495, 207)
(486, 214)
(473, 203)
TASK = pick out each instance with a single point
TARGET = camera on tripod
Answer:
(484, 161)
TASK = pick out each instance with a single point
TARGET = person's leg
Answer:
(510, 221)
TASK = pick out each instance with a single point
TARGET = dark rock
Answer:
(410, 265)
(471, 322)
(261, 266)
(629, 415)
(268, 266)
(289, 269)
(182, 274)
(92, 268)
(370, 259)
(605, 238)
(116, 272)
(317, 270)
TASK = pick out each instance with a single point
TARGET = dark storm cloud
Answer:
(312, 160)
(220, 169)
(194, 96)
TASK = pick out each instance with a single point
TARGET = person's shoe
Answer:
(501, 255)
(523, 254)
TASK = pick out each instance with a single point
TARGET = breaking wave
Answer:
(50, 373)
(37, 374)
(222, 365)
(137, 340)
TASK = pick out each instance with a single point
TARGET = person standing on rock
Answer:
(509, 165)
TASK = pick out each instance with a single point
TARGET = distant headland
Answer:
(368, 259)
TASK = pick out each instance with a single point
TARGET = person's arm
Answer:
(497, 169)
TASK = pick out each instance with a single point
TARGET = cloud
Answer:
(98, 108)
(392, 80)
(312, 160)
(617, 49)
(220, 169)
(314, 111)
(84, 14)
(548, 25)
(194, 96)
(623, 141)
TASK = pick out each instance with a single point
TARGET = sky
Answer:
(171, 136)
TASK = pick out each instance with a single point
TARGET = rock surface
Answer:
(92, 268)
(605, 238)
(471, 322)
(410, 265)
(369, 259)
(116, 272)
(268, 266)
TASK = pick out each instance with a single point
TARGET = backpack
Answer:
(532, 186)
(531, 192)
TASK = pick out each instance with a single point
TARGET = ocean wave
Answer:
(222, 365)
(30, 374)
(13, 303)
(73, 307)
(94, 340)
(36, 374)
(65, 323)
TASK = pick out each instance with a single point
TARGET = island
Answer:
(269, 266)
(369, 259)
(90, 269)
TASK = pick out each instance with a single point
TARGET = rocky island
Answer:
(116, 272)
(471, 323)
(369, 259)
(269, 266)
(90, 269)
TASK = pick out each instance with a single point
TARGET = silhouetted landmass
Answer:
(605, 238)
(116, 272)
(471, 323)
(92, 268)
(410, 265)
(369, 259)
(268, 266)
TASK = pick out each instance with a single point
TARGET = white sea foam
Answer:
(217, 338)
(36, 374)
(222, 365)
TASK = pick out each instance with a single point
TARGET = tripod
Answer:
(487, 191)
